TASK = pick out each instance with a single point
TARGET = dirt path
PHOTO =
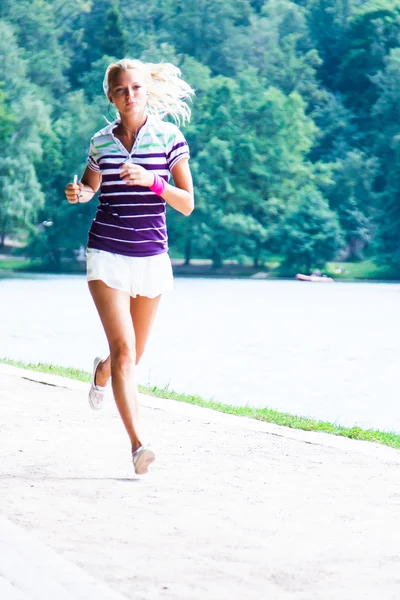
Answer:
(233, 508)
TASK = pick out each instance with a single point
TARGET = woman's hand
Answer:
(136, 175)
(73, 192)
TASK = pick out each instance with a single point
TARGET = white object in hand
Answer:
(78, 196)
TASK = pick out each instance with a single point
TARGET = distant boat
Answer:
(314, 278)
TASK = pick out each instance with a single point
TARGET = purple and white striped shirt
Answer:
(131, 220)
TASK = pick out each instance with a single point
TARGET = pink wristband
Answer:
(159, 185)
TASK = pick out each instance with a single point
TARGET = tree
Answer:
(328, 22)
(113, 38)
(95, 32)
(291, 96)
(7, 121)
(91, 82)
(374, 29)
(249, 168)
(25, 120)
(386, 115)
(20, 192)
(337, 132)
(66, 147)
(353, 198)
(214, 196)
(148, 26)
(200, 28)
(311, 232)
(275, 44)
(36, 34)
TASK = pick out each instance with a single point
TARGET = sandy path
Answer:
(232, 508)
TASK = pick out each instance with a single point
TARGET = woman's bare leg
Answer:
(143, 311)
(113, 307)
(119, 313)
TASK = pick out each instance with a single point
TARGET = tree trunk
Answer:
(217, 260)
(54, 254)
(3, 233)
(256, 257)
(188, 250)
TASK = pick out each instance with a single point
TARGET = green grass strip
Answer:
(14, 264)
(268, 415)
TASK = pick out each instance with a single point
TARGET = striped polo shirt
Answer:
(131, 220)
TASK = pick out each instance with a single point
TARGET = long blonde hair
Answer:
(167, 91)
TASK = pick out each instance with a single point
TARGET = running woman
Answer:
(128, 266)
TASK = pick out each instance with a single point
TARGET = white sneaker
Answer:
(97, 393)
(142, 459)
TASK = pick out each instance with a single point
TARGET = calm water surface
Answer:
(326, 351)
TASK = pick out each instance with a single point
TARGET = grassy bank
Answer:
(26, 265)
(15, 264)
(262, 414)
(365, 270)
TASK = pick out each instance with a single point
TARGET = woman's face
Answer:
(128, 91)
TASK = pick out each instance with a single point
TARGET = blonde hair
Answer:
(167, 91)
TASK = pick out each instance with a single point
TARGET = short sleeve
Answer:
(93, 156)
(177, 148)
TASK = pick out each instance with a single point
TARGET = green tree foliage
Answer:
(97, 30)
(337, 131)
(373, 30)
(248, 169)
(201, 28)
(113, 38)
(311, 234)
(37, 36)
(66, 149)
(275, 43)
(328, 22)
(24, 119)
(352, 197)
(294, 138)
(386, 113)
(8, 120)
(148, 25)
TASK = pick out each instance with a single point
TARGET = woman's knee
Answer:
(123, 356)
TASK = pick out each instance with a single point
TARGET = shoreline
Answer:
(365, 271)
(206, 271)
(296, 422)
(7, 273)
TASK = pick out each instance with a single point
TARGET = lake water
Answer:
(326, 351)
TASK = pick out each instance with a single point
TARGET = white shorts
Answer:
(147, 276)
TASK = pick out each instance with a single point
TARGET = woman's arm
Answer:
(179, 196)
(85, 189)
